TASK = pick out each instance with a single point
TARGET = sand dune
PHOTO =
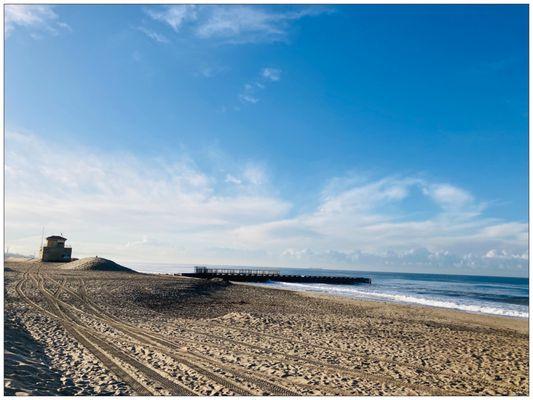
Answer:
(95, 264)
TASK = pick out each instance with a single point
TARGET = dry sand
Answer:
(91, 332)
(94, 264)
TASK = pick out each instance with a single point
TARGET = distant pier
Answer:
(264, 275)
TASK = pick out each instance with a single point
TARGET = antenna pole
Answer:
(42, 240)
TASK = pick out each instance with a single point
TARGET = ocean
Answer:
(477, 294)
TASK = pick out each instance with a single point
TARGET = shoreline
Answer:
(446, 312)
(464, 293)
(392, 303)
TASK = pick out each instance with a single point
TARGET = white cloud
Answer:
(504, 255)
(414, 260)
(271, 74)
(254, 174)
(210, 71)
(234, 23)
(367, 225)
(448, 196)
(32, 17)
(242, 23)
(248, 98)
(107, 200)
(505, 230)
(153, 35)
(368, 196)
(250, 90)
(232, 179)
(170, 210)
(174, 16)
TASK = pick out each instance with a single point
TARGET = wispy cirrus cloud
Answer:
(34, 18)
(250, 91)
(157, 37)
(252, 174)
(210, 71)
(174, 16)
(171, 210)
(233, 23)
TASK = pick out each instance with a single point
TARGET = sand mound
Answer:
(95, 264)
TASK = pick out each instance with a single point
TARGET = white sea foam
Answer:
(356, 292)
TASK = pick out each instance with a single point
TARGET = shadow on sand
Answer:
(27, 367)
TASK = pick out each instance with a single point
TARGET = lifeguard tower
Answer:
(56, 250)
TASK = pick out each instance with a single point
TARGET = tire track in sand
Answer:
(108, 362)
(186, 358)
(164, 381)
(113, 354)
(233, 386)
(482, 383)
(384, 379)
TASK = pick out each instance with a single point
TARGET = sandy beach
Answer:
(98, 332)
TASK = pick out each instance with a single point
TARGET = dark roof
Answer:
(56, 237)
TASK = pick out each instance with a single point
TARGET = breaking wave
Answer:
(381, 294)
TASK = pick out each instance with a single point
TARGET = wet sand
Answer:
(119, 333)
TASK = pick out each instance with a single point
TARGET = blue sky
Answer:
(369, 137)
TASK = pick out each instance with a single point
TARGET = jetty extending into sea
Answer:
(264, 275)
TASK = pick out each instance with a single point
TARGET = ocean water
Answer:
(477, 294)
